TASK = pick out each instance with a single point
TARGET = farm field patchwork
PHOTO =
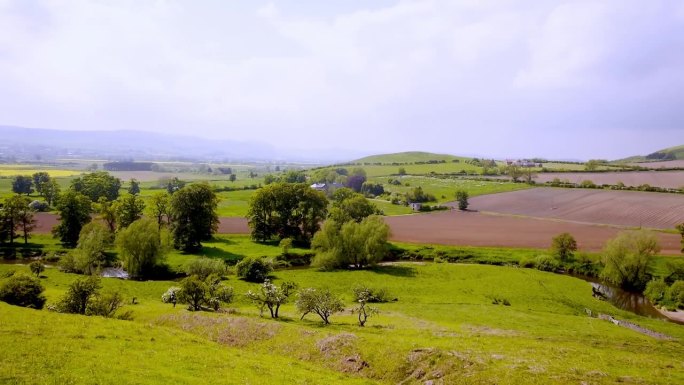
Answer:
(622, 208)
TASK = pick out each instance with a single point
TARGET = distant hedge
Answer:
(128, 166)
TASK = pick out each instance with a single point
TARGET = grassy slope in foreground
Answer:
(444, 325)
(407, 157)
(45, 347)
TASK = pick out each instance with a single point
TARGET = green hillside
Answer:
(447, 328)
(408, 157)
(672, 153)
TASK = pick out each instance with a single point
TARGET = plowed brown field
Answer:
(665, 179)
(476, 229)
(622, 208)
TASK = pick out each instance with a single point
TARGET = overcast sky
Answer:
(560, 79)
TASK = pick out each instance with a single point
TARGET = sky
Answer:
(558, 79)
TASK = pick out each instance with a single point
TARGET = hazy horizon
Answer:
(560, 79)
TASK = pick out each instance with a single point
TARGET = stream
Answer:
(625, 300)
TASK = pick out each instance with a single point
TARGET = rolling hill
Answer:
(667, 154)
(408, 157)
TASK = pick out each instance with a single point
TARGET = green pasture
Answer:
(444, 189)
(444, 327)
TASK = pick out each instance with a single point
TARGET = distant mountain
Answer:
(37, 143)
(672, 153)
(407, 157)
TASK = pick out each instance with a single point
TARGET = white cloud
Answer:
(440, 68)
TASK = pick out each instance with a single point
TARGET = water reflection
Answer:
(625, 300)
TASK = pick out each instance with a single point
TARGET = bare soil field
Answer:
(466, 229)
(45, 222)
(665, 179)
(477, 229)
(621, 208)
(666, 164)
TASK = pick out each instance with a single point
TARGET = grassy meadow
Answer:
(445, 328)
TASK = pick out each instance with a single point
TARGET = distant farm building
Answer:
(416, 206)
(522, 163)
(326, 187)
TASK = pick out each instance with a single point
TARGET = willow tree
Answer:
(142, 246)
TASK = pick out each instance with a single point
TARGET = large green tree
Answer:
(159, 207)
(40, 180)
(193, 216)
(350, 206)
(25, 221)
(352, 244)
(17, 216)
(97, 184)
(74, 212)
(129, 208)
(50, 191)
(286, 210)
(89, 256)
(142, 246)
(628, 259)
(22, 184)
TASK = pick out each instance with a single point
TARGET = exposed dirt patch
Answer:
(233, 226)
(490, 331)
(45, 222)
(435, 366)
(233, 331)
(621, 208)
(341, 351)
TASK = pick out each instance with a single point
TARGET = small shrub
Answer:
(271, 296)
(105, 304)
(319, 301)
(204, 267)
(197, 293)
(79, 295)
(563, 246)
(371, 295)
(171, 295)
(36, 267)
(546, 263)
(23, 290)
(656, 291)
(286, 245)
(254, 269)
(677, 293)
(527, 262)
(39, 206)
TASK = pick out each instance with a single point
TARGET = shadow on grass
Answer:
(223, 240)
(216, 252)
(397, 271)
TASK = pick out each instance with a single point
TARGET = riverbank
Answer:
(677, 316)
